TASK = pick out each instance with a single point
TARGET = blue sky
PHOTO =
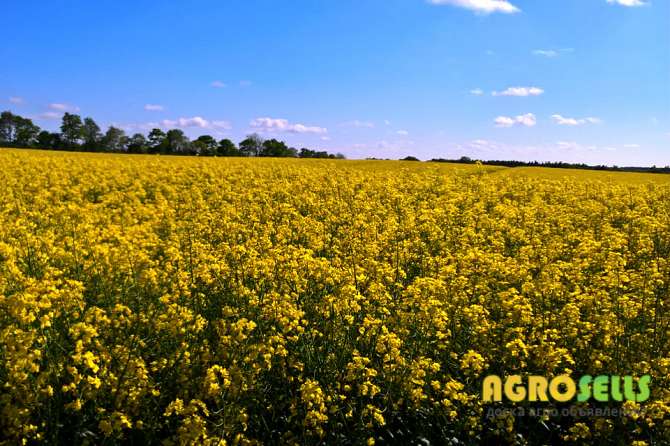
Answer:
(574, 80)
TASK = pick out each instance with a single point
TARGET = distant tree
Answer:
(275, 148)
(115, 139)
(307, 153)
(252, 145)
(71, 130)
(138, 144)
(43, 139)
(410, 158)
(176, 142)
(92, 135)
(17, 131)
(340, 156)
(157, 141)
(227, 148)
(49, 140)
(205, 145)
(7, 128)
(25, 132)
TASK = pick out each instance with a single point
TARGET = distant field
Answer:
(185, 300)
(587, 175)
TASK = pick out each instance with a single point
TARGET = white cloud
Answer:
(218, 84)
(63, 107)
(50, 115)
(567, 145)
(154, 107)
(504, 121)
(387, 122)
(196, 122)
(519, 91)
(325, 138)
(145, 126)
(631, 146)
(477, 92)
(573, 146)
(545, 53)
(283, 125)
(561, 120)
(360, 124)
(16, 100)
(483, 145)
(628, 3)
(552, 53)
(222, 125)
(402, 132)
(481, 6)
(527, 120)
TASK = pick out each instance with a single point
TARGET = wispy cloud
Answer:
(154, 107)
(629, 3)
(16, 100)
(545, 53)
(245, 83)
(571, 151)
(562, 120)
(218, 84)
(196, 122)
(402, 133)
(63, 107)
(519, 92)
(480, 6)
(50, 115)
(483, 145)
(271, 125)
(360, 124)
(527, 120)
(551, 53)
(477, 92)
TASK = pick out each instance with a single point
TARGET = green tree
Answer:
(138, 144)
(176, 142)
(49, 140)
(252, 145)
(227, 148)
(115, 139)
(25, 132)
(92, 135)
(71, 130)
(275, 148)
(17, 131)
(157, 141)
(7, 129)
(307, 153)
(205, 145)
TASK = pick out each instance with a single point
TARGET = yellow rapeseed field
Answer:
(159, 300)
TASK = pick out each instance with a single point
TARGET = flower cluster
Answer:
(153, 300)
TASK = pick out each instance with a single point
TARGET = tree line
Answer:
(554, 165)
(77, 134)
